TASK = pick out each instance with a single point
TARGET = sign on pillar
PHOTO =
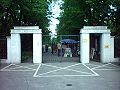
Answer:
(107, 54)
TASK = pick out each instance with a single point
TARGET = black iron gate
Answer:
(3, 48)
(51, 51)
(26, 48)
(117, 47)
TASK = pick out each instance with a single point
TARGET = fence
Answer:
(3, 48)
(117, 47)
(55, 47)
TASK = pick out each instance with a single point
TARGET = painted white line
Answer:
(91, 70)
(37, 70)
(35, 76)
(107, 69)
(78, 71)
(68, 69)
(115, 65)
(57, 66)
(27, 65)
(32, 65)
(59, 69)
(100, 66)
(93, 65)
(51, 65)
(68, 76)
(16, 70)
(19, 66)
(6, 67)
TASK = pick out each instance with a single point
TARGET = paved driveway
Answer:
(60, 76)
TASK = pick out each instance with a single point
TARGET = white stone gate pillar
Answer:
(84, 47)
(107, 48)
(16, 43)
(15, 48)
(37, 48)
(8, 49)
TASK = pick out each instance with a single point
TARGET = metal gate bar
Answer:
(3, 48)
(117, 47)
(51, 54)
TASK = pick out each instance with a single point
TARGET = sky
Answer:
(55, 8)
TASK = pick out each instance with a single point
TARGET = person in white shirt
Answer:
(59, 49)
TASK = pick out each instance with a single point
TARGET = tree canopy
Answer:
(71, 18)
(75, 14)
(79, 13)
(23, 12)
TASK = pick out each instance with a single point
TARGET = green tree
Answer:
(71, 19)
(79, 13)
(115, 24)
(24, 12)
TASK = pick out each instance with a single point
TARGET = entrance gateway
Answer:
(106, 44)
(14, 43)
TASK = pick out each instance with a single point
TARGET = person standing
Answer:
(46, 47)
(59, 49)
(52, 48)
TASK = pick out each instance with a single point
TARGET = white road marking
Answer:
(68, 69)
(35, 74)
(17, 70)
(107, 69)
(78, 71)
(93, 64)
(115, 65)
(58, 66)
(50, 65)
(100, 66)
(17, 66)
(59, 69)
(6, 67)
(67, 76)
(91, 70)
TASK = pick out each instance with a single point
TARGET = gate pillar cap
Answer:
(26, 27)
(95, 29)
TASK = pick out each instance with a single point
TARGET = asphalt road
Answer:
(60, 76)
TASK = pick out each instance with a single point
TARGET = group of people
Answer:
(59, 49)
(94, 54)
(45, 48)
(56, 48)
